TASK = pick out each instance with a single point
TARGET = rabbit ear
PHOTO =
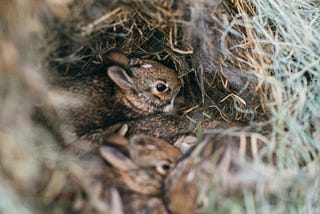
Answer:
(115, 201)
(116, 158)
(116, 140)
(120, 77)
(118, 58)
(123, 130)
(185, 143)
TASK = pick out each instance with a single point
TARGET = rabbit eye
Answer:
(161, 87)
(163, 168)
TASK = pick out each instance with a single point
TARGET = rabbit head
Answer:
(145, 86)
(150, 160)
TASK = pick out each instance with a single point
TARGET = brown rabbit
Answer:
(150, 159)
(219, 156)
(130, 89)
(167, 127)
(129, 172)
(141, 174)
(173, 129)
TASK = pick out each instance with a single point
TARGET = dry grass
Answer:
(256, 63)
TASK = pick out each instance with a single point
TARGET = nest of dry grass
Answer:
(165, 31)
(237, 61)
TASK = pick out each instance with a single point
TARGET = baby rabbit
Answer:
(174, 129)
(167, 127)
(150, 159)
(141, 174)
(133, 168)
(220, 156)
(130, 89)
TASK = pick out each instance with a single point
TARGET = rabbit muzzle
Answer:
(168, 108)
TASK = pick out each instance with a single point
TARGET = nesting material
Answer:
(250, 88)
